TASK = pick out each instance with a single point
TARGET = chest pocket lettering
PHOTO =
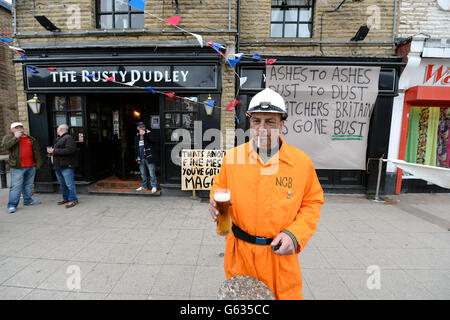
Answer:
(285, 182)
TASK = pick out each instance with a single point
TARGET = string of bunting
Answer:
(232, 58)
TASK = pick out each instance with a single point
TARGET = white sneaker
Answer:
(153, 190)
(139, 189)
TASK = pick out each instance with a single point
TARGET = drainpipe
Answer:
(238, 26)
(229, 15)
(14, 18)
(394, 27)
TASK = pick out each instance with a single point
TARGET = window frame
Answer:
(296, 23)
(67, 112)
(113, 13)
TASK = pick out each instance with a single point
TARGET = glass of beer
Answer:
(222, 198)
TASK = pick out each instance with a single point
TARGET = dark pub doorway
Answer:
(113, 146)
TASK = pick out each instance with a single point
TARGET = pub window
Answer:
(179, 114)
(117, 14)
(68, 110)
(291, 19)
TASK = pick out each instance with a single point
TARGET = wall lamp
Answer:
(35, 104)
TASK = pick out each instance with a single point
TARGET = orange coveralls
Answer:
(283, 194)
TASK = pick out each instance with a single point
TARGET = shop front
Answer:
(330, 116)
(425, 123)
(101, 95)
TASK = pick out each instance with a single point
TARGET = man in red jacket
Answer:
(24, 159)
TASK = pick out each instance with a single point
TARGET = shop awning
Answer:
(437, 175)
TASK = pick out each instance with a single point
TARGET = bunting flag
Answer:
(199, 38)
(90, 75)
(210, 103)
(7, 32)
(138, 4)
(233, 62)
(215, 46)
(131, 83)
(256, 56)
(150, 89)
(50, 69)
(111, 79)
(232, 104)
(16, 49)
(171, 95)
(270, 61)
(242, 80)
(6, 39)
(32, 69)
(22, 55)
(175, 20)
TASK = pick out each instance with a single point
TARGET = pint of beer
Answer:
(222, 198)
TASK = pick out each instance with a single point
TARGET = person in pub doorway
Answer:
(63, 157)
(146, 156)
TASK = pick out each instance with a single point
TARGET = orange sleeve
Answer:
(305, 223)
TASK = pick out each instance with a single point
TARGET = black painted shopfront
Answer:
(339, 181)
(74, 89)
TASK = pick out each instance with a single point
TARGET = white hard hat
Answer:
(16, 124)
(268, 101)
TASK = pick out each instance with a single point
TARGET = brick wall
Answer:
(423, 17)
(8, 104)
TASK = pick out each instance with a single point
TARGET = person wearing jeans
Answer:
(145, 167)
(63, 157)
(146, 156)
(24, 159)
(67, 183)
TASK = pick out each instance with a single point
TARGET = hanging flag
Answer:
(233, 62)
(110, 79)
(175, 20)
(232, 104)
(270, 61)
(238, 55)
(242, 80)
(131, 83)
(215, 46)
(210, 103)
(150, 89)
(170, 95)
(32, 69)
(138, 4)
(6, 39)
(22, 55)
(52, 69)
(16, 49)
(199, 38)
(256, 56)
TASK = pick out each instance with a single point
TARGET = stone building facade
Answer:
(424, 44)
(8, 104)
(86, 37)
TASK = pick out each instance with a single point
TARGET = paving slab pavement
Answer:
(130, 247)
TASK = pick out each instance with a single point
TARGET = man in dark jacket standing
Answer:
(146, 156)
(63, 157)
(24, 159)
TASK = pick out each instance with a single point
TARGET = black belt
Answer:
(242, 235)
